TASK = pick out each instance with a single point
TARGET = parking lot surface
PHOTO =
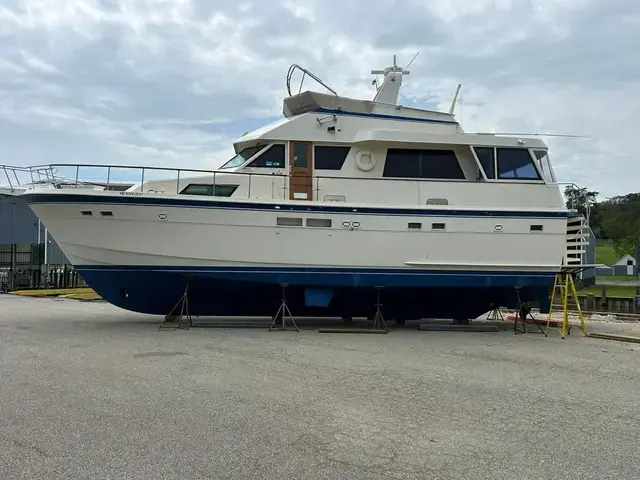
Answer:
(92, 391)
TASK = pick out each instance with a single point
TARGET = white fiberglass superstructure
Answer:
(338, 198)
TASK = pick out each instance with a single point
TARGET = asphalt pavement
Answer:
(91, 391)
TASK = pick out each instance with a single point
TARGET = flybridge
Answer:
(384, 103)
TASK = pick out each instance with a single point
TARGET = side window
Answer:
(402, 163)
(407, 163)
(545, 165)
(485, 156)
(208, 190)
(197, 189)
(516, 163)
(441, 164)
(224, 190)
(271, 158)
(329, 158)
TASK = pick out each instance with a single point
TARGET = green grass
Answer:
(606, 254)
(617, 278)
(612, 291)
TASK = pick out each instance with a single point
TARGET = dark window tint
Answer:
(438, 226)
(516, 163)
(272, 158)
(300, 155)
(224, 190)
(330, 158)
(485, 155)
(406, 163)
(208, 190)
(440, 164)
(402, 163)
(197, 189)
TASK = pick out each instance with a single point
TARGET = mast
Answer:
(390, 88)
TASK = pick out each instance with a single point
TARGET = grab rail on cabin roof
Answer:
(305, 72)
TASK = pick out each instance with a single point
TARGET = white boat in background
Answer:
(338, 200)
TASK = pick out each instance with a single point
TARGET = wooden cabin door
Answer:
(300, 171)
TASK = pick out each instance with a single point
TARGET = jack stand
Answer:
(283, 312)
(378, 319)
(522, 313)
(184, 310)
(495, 314)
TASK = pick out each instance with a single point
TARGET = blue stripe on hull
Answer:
(186, 202)
(237, 291)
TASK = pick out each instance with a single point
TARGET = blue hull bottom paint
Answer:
(250, 291)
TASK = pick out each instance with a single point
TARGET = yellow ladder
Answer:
(565, 285)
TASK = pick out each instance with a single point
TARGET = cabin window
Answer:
(485, 156)
(415, 226)
(272, 158)
(438, 226)
(536, 228)
(86, 213)
(329, 158)
(242, 157)
(209, 190)
(409, 163)
(516, 163)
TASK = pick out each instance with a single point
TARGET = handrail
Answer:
(283, 175)
(58, 175)
(53, 169)
(48, 171)
(305, 72)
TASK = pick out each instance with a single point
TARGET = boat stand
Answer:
(495, 314)
(283, 312)
(378, 319)
(183, 303)
(523, 313)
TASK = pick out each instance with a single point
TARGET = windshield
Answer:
(545, 165)
(242, 157)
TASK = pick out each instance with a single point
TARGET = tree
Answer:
(622, 223)
(579, 198)
(582, 200)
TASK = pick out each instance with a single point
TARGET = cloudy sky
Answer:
(173, 82)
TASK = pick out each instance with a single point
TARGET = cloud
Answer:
(174, 82)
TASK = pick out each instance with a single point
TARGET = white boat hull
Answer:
(137, 250)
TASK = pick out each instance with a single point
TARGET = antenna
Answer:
(409, 64)
(455, 99)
